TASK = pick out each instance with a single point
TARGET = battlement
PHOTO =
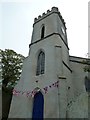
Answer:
(53, 10)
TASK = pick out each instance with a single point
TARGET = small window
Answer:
(42, 32)
(87, 84)
(63, 31)
(40, 63)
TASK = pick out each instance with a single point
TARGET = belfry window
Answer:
(42, 32)
(40, 63)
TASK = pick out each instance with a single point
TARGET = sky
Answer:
(17, 18)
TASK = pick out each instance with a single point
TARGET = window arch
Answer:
(40, 63)
(42, 31)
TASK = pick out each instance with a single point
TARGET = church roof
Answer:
(79, 59)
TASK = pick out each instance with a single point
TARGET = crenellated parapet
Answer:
(53, 10)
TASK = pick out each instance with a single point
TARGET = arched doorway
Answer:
(38, 106)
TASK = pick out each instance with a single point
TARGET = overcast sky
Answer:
(17, 17)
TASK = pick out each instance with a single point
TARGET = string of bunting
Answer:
(33, 92)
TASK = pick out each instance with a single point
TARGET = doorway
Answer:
(38, 106)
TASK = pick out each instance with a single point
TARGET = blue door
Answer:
(38, 106)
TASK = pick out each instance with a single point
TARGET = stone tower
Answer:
(46, 75)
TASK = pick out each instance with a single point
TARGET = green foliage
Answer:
(87, 66)
(11, 64)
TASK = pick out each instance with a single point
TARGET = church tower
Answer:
(42, 91)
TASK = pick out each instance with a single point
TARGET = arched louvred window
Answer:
(42, 31)
(38, 106)
(40, 63)
(87, 84)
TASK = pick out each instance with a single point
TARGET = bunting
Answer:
(31, 93)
